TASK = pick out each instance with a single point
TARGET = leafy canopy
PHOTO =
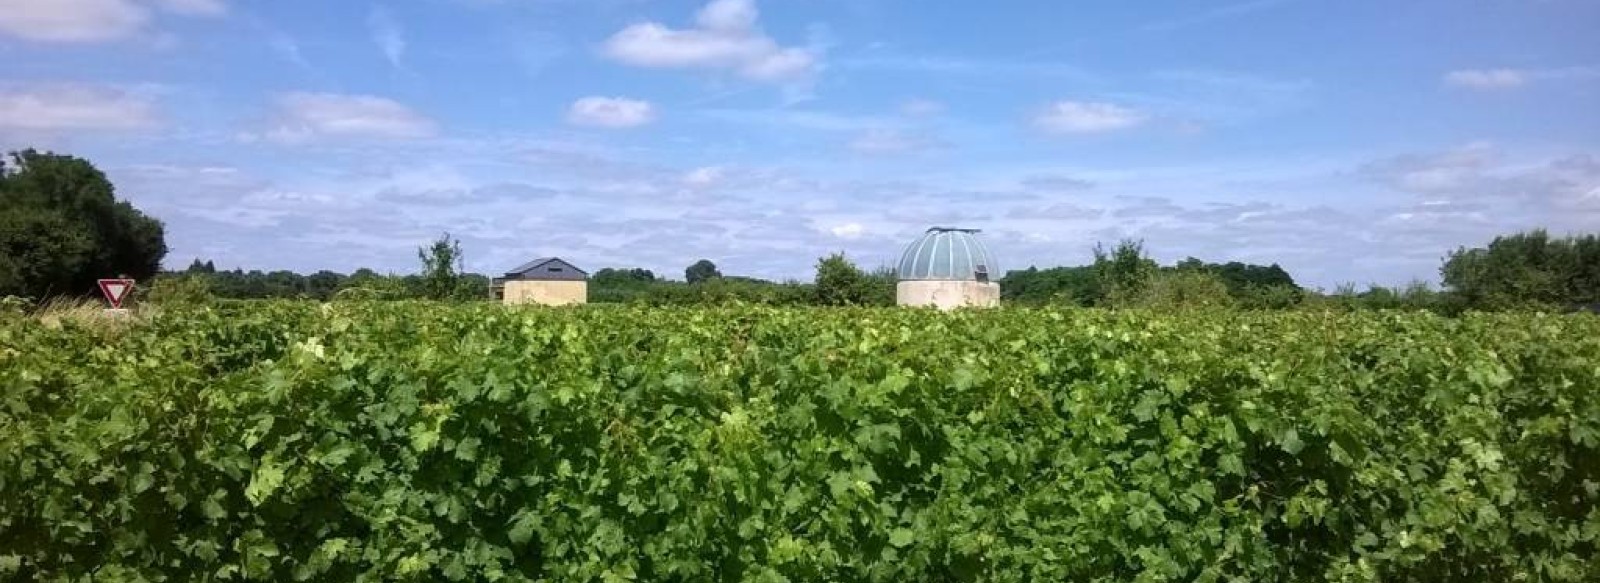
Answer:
(62, 228)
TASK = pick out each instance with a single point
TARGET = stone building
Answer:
(546, 280)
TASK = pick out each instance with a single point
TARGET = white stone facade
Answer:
(947, 294)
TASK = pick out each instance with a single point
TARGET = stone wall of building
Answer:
(947, 295)
(550, 293)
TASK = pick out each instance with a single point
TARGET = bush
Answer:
(841, 283)
(1526, 270)
(1177, 290)
(179, 290)
(1269, 297)
(385, 441)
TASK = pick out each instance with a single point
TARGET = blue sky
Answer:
(1348, 141)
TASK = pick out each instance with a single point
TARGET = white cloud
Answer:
(301, 117)
(194, 7)
(801, 119)
(75, 107)
(611, 112)
(1452, 171)
(1226, 11)
(1076, 117)
(1055, 183)
(947, 66)
(728, 15)
(1563, 189)
(1487, 79)
(91, 21)
(726, 37)
(1057, 211)
(1507, 79)
(289, 49)
(703, 176)
(386, 34)
(848, 230)
(888, 141)
(72, 20)
(921, 107)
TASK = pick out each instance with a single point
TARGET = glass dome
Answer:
(948, 253)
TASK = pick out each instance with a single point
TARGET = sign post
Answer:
(115, 291)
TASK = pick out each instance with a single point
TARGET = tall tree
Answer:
(702, 270)
(622, 276)
(1526, 269)
(62, 227)
(200, 268)
(441, 268)
(840, 282)
(1123, 272)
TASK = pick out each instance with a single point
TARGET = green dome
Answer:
(948, 253)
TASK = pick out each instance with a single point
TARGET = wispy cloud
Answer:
(194, 7)
(1195, 96)
(611, 112)
(1056, 183)
(947, 65)
(1487, 78)
(303, 117)
(288, 49)
(1056, 212)
(921, 107)
(1507, 79)
(387, 35)
(1078, 117)
(1213, 15)
(802, 119)
(892, 141)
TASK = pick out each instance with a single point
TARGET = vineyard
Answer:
(413, 441)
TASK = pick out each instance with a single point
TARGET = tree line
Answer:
(62, 227)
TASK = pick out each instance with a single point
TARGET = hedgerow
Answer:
(414, 441)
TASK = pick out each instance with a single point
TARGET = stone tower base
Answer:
(947, 295)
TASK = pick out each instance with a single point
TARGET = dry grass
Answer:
(84, 312)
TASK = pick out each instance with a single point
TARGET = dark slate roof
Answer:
(536, 269)
(524, 268)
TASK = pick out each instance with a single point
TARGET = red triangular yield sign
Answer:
(116, 290)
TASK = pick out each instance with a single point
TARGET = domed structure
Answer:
(947, 267)
(947, 253)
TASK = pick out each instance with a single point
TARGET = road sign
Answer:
(116, 290)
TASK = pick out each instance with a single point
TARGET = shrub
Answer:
(179, 290)
(1176, 290)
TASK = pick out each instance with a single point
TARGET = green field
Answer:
(414, 441)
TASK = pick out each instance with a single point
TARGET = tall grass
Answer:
(60, 312)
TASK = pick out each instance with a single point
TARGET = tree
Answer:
(1056, 285)
(622, 276)
(1182, 289)
(472, 286)
(198, 268)
(840, 282)
(1123, 272)
(1526, 269)
(440, 268)
(62, 228)
(323, 284)
(881, 284)
(702, 270)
